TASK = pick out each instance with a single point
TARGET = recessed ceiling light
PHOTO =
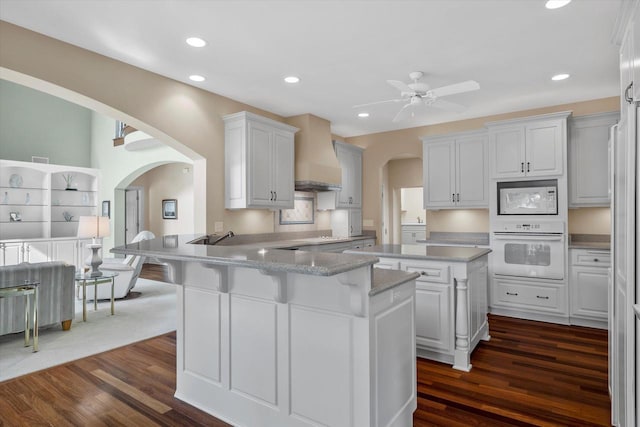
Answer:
(556, 4)
(558, 77)
(292, 79)
(363, 114)
(196, 42)
(196, 78)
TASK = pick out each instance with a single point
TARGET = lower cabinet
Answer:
(543, 300)
(71, 251)
(589, 287)
(411, 233)
(451, 303)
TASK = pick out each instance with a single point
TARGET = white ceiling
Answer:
(344, 51)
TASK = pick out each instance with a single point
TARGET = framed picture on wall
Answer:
(169, 209)
(106, 208)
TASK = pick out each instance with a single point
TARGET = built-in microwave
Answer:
(538, 197)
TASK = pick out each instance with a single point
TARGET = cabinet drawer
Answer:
(527, 295)
(436, 273)
(591, 258)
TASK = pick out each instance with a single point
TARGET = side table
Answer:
(82, 279)
(27, 289)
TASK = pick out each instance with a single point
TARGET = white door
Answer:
(132, 214)
(439, 174)
(508, 152)
(283, 169)
(544, 149)
(260, 191)
(471, 161)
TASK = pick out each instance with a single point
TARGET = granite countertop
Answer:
(422, 252)
(384, 279)
(175, 247)
(590, 241)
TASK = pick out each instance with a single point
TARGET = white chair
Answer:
(128, 270)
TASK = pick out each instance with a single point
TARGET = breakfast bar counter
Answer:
(290, 338)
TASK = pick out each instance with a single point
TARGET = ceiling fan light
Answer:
(196, 42)
(556, 4)
(196, 78)
(559, 77)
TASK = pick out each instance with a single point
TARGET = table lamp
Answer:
(95, 227)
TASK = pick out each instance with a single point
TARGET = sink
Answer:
(211, 239)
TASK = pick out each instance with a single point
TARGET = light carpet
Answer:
(149, 314)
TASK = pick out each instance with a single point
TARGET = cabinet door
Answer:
(544, 148)
(471, 176)
(439, 174)
(434, 320)
(37, 251)
(65, 250)
(508, 152)
(11, 253)
(355, 222)
(388, 264)
(260, 188)
(345, 159)
(589, 161)
(283, 169)
(356, 179)
(589, 292)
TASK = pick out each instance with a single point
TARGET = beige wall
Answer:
(385, 146)
(590, 221)
(411, 205)
(172, 181)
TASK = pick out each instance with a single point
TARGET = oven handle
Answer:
(524, 236)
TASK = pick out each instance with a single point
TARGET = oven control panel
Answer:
(530, 227)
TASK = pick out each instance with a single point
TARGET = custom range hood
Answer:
(316, 165)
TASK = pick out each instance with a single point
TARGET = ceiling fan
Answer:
(419, 94)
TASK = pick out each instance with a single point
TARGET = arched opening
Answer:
(119, 168)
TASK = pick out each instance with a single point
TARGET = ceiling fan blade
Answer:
(448, 105)
(401, 86)
(378, 102)
(404, 112)
(467, 86)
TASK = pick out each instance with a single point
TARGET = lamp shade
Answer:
(93, 226)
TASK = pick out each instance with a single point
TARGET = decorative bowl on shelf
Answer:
(67, 216)
(15, 181)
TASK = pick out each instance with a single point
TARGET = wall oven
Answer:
(529, 249)
(538, 197)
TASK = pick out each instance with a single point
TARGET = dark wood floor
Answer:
(529, 374)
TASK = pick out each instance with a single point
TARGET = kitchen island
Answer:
(451, 297)
(270, 337)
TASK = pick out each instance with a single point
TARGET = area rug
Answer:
(150, 312)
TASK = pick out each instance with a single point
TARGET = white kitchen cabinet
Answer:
(413, 232)
(589, 287)
(36, 201)
(259, 162)
(11, 253)
(346, 222)
(529, 147)
(350, 159)
(455, 171)
(589, 181)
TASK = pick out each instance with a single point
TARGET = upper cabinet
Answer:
(350, 158)
(529, 147)
(455, 171)
(589, 182)
(259, 162)
(43, 200)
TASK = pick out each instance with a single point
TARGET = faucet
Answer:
(221, 238)
(419, 221)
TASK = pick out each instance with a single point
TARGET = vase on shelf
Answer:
(5, 198)
(27, 199)
(68, 179)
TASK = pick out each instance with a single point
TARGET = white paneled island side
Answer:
(270, 337)
(451, 297)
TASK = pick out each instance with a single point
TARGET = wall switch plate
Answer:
(367, 223)
(218, 226)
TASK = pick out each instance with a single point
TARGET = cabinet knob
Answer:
(515, 294)
(458, 197)
(541, 297)
(275, 195)
(528, 167)
(453, 197)
(522, 167)
(627, 97)
(596, 260)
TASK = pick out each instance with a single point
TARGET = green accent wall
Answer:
(33, 123)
